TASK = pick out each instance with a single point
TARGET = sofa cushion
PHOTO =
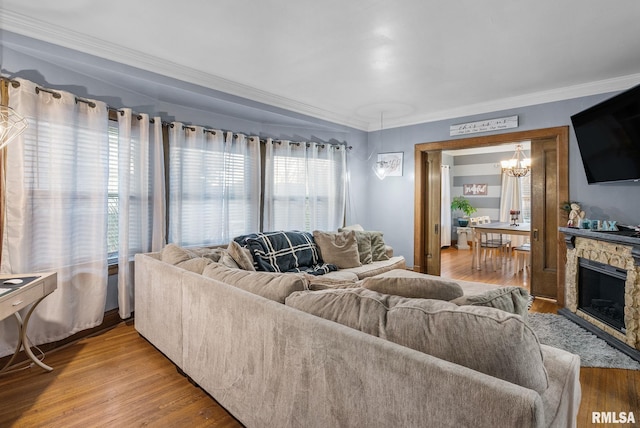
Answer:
(510, 299)
(273, 286)
(241, 255)
(195, 265)
(338, 248)
(413, 285)
(282, 251)
(376, 268)
(358, 308)
(484, 339)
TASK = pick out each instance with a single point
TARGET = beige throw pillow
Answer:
(364, 245)
(417, 287)
(195, 265)
(174, 254)
(242, 256)
(338, 248)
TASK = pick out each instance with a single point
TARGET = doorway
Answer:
(549, 187)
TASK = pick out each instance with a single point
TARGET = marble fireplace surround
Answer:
(616, 250)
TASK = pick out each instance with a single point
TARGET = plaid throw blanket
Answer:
(290, 251)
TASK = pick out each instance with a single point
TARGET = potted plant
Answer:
(461, 203)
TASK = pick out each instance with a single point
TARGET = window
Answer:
(304, 186)
(214, 186)
(112, 206)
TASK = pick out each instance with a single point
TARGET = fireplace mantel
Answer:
(570, 235)
(612, 249)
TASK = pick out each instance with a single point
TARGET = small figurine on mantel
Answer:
(575, 215)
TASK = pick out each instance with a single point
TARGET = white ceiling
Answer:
(349, 61)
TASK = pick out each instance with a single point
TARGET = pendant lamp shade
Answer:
(11, 125)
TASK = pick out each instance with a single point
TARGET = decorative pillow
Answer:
(241, 255)
(340, 249)
(273, 286)
(283, 251)
(358, 308)
(196, 265)
(364, 245)
(488, 340)
(174, 254)
(413, 285)
(511, 299)
(212, 254)
(228, 261)
(378, 247)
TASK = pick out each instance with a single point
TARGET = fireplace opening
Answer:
(601, 292)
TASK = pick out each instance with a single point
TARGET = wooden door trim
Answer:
(560, 134)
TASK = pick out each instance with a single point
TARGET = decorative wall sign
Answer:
(475, 189)
(391, 163)
(484, 126)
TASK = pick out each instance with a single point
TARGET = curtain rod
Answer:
(92, 104)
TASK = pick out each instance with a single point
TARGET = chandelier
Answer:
(11, 125)
(518, 165)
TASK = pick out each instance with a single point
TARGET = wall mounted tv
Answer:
(609, 138)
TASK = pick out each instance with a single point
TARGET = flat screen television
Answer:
(608, 137)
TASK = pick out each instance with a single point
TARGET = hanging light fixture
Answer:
(518, 165)
(11, 125)
(379, 168)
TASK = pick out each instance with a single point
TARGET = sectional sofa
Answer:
(275, 353)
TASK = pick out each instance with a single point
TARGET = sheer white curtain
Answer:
(445, 206)
(141, 197)
(56, 210)
(214, 190)
(305, 186)
(511, 199)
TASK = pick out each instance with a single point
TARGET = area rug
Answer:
(558, 331)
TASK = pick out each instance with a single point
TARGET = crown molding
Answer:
(53, 34)
(575, 91)
(44, 31)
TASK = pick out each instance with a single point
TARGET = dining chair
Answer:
(498, 239)
(489, 250)
(522, 254)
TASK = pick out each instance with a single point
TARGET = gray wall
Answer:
(386, 205)
(391, 201)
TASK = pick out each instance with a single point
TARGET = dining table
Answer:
(504, 228)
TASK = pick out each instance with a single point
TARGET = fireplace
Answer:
(601, 292)
(602, 285)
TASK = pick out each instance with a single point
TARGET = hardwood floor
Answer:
(603, 390)
(117, 378)
(114, 379)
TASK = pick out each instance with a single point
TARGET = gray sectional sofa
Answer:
(275, 353)
(271, 364)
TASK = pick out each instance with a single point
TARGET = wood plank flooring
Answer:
(114, 379)
(603, 390)
(117, 378)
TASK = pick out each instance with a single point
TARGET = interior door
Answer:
(427, 257)
(544, 219)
